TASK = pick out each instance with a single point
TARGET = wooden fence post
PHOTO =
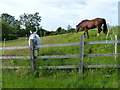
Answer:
(32, 54)
(81, 54)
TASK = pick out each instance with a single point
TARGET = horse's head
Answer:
(32, 35)
(77, 28)
(35, 37)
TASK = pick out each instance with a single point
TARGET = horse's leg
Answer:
(38, 51)
(87, 34)
(86, 31)
(99, 30)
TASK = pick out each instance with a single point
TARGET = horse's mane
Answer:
(82, 21)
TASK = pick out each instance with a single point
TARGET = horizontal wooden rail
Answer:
(6, 48)
(101, 66)
(99, 55)
(62, 67)
(49, 45)
(15, 67)
(14, 57)
(85, 66)
(58, 56)
(103, 42)
(63, 44)
(40, 57)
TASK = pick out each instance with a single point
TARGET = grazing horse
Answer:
(37, 41)
(91, 24)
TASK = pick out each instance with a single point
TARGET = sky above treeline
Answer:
(61, 13)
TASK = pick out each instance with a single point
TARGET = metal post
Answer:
(32, 54)
(81, 54)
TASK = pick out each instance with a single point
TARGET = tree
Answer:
(30, 21)
(8, 32)
(8, 19)
(69, 27)
(59, 29)
(71, 30)
(8, 27)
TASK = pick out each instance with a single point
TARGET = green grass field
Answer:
(46, 78)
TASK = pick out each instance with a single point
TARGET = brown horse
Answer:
(91, 24)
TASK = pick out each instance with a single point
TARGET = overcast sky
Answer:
(61, 13)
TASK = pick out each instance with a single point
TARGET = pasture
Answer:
(47, 78)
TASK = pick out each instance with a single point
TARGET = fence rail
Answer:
(14, 57)
(22, 47)
(63, 67)
(101, 55)
(103, 42)
(59, 56)
(63, 44)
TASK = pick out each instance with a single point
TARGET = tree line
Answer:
(13, 28)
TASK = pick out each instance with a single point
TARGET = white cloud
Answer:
(57, 13)
(103, 1)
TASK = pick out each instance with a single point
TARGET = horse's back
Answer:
(38, 40)
(98, 22)
(90, 24)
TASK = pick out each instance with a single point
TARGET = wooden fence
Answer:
(81, 55)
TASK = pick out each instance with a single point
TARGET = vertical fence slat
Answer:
(32, 54)
(81, 54)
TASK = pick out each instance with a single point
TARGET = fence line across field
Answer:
(81, 55)
(63, 44)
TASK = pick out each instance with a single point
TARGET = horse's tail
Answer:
(105, 26)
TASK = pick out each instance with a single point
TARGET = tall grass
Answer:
(60, 79)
